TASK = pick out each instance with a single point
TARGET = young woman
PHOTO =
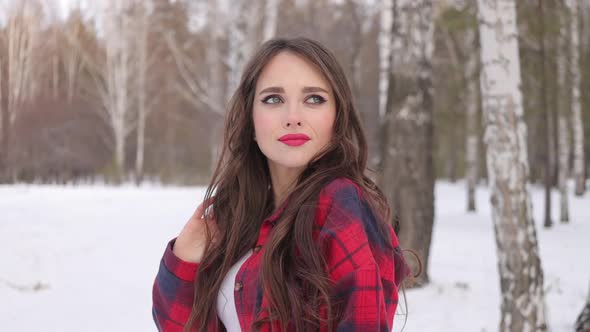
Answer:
(292, 235)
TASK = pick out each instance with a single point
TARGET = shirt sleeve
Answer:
(173, 291)
(361, 264)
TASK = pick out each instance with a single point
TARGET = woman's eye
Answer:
(273, 99)
(316, 99)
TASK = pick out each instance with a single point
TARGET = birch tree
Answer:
(465, 57)
(549, 123)
(577, 124)
(4, 113)
(407, 162)
(133, 56)
(17, 67)
(118, 76)
(243, 37)
(52, 46)
(271, 11)
(110, 68)
(205, 88)
(563, 138)
(216, 73)
(519, 265)
(144, 61)
(384, 41)
(472, 108)
(71, 58)
(583, 320)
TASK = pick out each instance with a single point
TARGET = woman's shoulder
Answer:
(339, 189)
(341, 202)
(349, 223)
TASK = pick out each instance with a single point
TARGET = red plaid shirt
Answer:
(362, 269)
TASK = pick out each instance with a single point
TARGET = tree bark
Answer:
(577, 123)
(385, 41)
(472, 106)
(243, 37)
(563, 112)
(4, 124)
(519, 265)
(72, 60)
(22, 28)
(407, 152)
(549, 151)
(142, 31)
(465, 57)
(583, 320)
(118, 60)
(385, 44)
(271, 10)
(216, 75)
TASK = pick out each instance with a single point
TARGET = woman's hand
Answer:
(190, 243)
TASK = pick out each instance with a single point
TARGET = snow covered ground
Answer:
(84, 259)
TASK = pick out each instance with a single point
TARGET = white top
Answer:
(226, 305)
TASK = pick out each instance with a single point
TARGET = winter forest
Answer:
(477, 115)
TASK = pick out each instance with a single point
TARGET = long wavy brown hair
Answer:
(295, 284)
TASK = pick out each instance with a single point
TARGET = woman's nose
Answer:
(293, 117)
(298, 123)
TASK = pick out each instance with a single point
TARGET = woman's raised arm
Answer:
(173, 290)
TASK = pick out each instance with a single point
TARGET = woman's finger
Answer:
(206, 204)
(200, 212)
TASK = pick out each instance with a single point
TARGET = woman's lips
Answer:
(295, 142)
(294, 139)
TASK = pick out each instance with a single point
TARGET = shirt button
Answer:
(257, 248)
(238, 286)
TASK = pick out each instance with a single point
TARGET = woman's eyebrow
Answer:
(309, 89)
(274, 89)
(278, 89)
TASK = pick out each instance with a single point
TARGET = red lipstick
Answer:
(294, 139)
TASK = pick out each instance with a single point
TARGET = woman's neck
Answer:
(283, 179)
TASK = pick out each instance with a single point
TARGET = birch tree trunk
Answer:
(211, 89)
(577, 123)
(216, 74)
(472, 106)
(583, 320)
(19, 83)
(271, 10)
(356, 44)
(243, 35)
(118, 75)
(142, 26)
(72, 60)
(385, 43)
(519, 265)
(549, 151)
(55, 62)
(22, 32)
(564, 153)
(407, 161)
(4, 123)
(385, 40)
(563, 111)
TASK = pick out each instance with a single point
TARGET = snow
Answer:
(83, 258)
(464, 293)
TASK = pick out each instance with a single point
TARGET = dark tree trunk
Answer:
(407, 152)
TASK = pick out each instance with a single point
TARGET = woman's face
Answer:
(294, 111)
